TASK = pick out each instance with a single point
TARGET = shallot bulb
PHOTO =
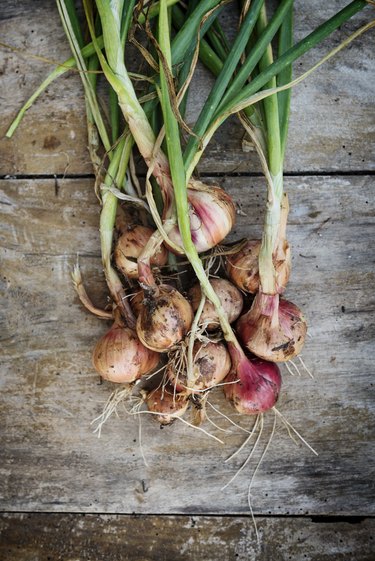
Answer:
(136, 302)
(211, 363)
(212, 216)
(253, 384)
(164, 320)
(129, 247)
(120, 357)
(273, 328)
(230, 297)
(166, 403)
(243, 267)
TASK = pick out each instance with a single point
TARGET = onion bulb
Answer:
(120, 357)
(167, 403)
(164, 320)
(129, 247)
(136, 302)
(212, 216)
(253, 384)
(211, 363)
(273, 329)
(230, 298)
(243, 267)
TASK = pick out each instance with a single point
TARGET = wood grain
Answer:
(50, 459)
(70, 537)
(332, 119)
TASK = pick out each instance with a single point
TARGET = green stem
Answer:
(310, 41)
(179, 182)
(267, 271)
(115, 175)
(69, 64)
(223, 79)
(285, 76)
(207, 55)
(249, 93)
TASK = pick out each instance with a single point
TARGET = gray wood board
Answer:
(70, 537)
(51, 460)
(332, 119)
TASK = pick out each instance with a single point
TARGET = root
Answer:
(253, 478)
(116, 397)
(215, 425)
(295, 367)
(289, 425)
(180, 419)
(252, 432)
(251, 453)
(305, 367)
(289, 369)
(227, 418)
(140, 439)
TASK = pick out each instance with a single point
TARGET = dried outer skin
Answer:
(164, 319)
(273, 329)
(119, 356)
(230, 297)
(253, 385)
(166, 402)
(129, 247)
(243, 267)
(212, 216)
(212, 363)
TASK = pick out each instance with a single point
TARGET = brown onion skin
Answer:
(212, 216)
(129, 247)
(230, 297)
(120, 357)
(136, 302)
(273, 329)
(243, 267)
(253, 384)
(167, 402)
(211, 365)
(164, 319)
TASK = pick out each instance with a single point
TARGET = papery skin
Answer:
(253, 385)
(230, 297)
(164, 319)
(273, 329)
(119, 356)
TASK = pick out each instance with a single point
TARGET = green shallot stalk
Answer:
(224, 77)
(284, 77)
(180, 183)
(117, 75)
(115, 175)
(267, 271)
(250, 93)
(71, 64)
(90, 95)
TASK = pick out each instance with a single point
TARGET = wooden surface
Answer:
(50, 460)
(70, 537)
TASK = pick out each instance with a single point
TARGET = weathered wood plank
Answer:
(332, 120)
(51, 461)
(147, 538)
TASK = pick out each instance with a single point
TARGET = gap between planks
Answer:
(344, 173)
